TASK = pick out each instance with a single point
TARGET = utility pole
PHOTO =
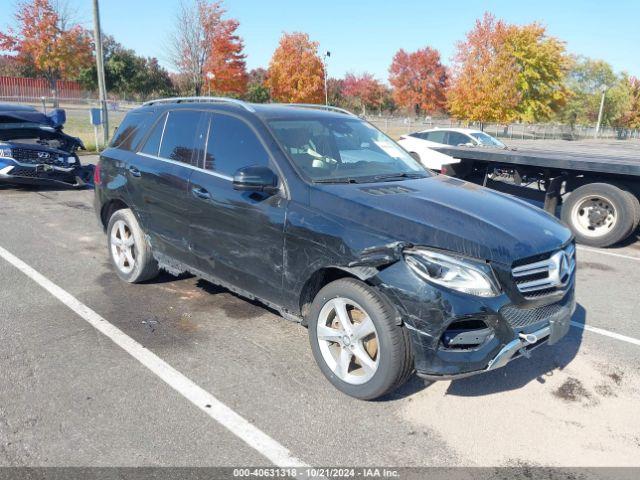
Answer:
(326, 55)
(100, 67)
(603, 88)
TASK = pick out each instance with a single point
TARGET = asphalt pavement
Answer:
(71, 395)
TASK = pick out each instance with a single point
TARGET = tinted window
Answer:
(343, 149)
(152, 145)
(437, 137)
(456, 139)
(179, 141)
(232, 145)
(131, 130)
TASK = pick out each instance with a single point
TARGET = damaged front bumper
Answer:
(455, 335)
(72, 176)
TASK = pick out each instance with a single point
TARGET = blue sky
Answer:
(363, 35)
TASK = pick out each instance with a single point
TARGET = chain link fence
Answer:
(397, 126)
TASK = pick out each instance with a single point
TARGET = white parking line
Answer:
(242, 428)
(606, 333)
(611, 254)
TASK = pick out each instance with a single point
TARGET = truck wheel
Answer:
(356, 341)
(129, 251)
(636, 204)
(599, 214)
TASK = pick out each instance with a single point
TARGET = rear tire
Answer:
(377, 362)
(129, 251)
(600, 214)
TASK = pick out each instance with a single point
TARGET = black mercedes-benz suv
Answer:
(318, 214)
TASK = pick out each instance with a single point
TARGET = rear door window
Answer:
(131, 130)
(438, 137)
(232, 144)
(182, 138)
(152, 145)
(456, 139)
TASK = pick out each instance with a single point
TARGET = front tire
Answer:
(129, 251)
(356, 341)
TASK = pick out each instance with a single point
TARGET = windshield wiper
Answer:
(336, 180)
(394, 176)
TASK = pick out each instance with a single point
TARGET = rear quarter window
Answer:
(131, 130)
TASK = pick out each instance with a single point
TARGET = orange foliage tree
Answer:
(296, 72)
(484, 86)
(204, 42)
(227, 60)
(506, 72)
(419, 80)
(363, 90)
(632, 117)
(43, 43)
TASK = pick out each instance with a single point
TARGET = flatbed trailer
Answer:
(596, 183)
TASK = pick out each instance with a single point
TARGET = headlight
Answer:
(5, 152)
(452, 272)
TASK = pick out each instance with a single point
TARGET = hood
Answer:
(16, 114)
(446, 213)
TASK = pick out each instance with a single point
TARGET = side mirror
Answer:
(255, 179)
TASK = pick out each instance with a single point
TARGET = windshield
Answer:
(344, 149)
(487, 140)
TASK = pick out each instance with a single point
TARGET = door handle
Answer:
(201, 193)
(134, 171)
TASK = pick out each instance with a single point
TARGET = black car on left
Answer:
(35, 151)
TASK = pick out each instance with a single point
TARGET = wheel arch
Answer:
(109, 208)
(323, 276)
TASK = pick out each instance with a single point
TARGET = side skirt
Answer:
(175, 267)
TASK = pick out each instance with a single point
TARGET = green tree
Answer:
(257, 90)
(127, 74)
(586, 79)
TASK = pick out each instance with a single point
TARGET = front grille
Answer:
(543, 277)
(25, 172)
(523, 317)
(27, 155)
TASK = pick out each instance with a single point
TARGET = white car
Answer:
(420, 144)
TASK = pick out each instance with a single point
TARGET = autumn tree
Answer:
(484, 77)
(335, 93)
(507, 72)
(11, 67)
(226, 62)
(363, 91)
(541, 66)
(192, 40)
(46, 42)
(296, 72)
(631, 118)
(419, 80)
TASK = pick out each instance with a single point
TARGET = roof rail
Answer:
(318, 106)
(233, 101)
